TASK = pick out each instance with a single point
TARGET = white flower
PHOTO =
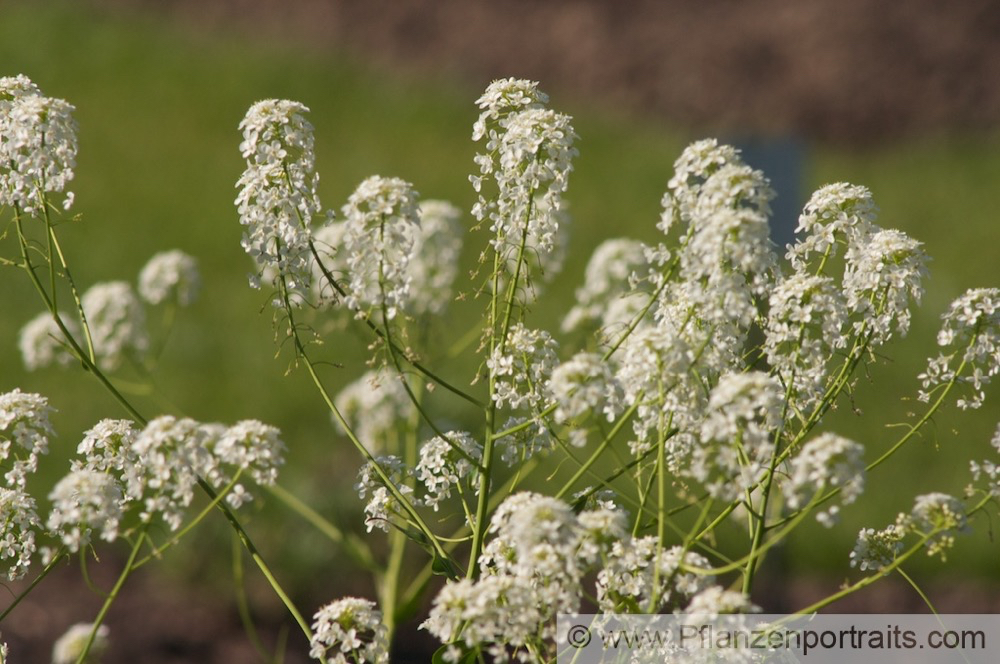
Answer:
(696, 164)
(68, 648)
(170, 275)
(838, 213)
(883, 274)
(382, 225)
(172, 454)
(626, 584)
(940, 514)
(655, 372)
(503, 97)
(85, 501)
(584, 384)
(249, 446)
(382, 505)
(803, 328)
(442, 466)
(374, 406)
(608, 278)
(433, 266)
(877, 549)
(529, 152)
(714, 601)
(349, 631)
(278, 197)
(521, 367)
(499, 612)
(18, 523)
(989, 470)
(43, 344)
(736, 441)
(109, 446)
(524, 443)
(117, 323)
(38, 145)
(24, 433)
(971, 331)
(827, 462)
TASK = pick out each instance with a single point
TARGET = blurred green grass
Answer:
(158, 106)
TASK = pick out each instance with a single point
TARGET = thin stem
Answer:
(111, 598)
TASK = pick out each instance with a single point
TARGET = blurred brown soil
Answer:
(843, 71)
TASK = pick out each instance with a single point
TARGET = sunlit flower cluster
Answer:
(43, 344)
(382, 226)
(170, 275)
(827, 462)
(38, 146)
(585, 384)
(528, 158)
(349, 631)
(373, 406)
(970, 338)
(607, 279)
(445, 462)
(522, 366)
(278, 190)
(117, 323)
(433, 265)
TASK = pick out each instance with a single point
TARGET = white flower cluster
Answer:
(827, 462)
(433, 265)
(804, 328)
(278, 190)
(43, 344)
(160, 467)
(374, 405)
(940, 514)
(38, 145)
(745, 409)
(608, 278)
(382, 225)
(24, 436)
(84, 501)
(655, 372)
(496, 613)
(584, 384)
(714, 601)
(989, 470)
(529, 152)
(382, 505)
(876, 549)
(935, 516)
(640, 569)
(836, 214)
(971, 334)
(883, 274)
(532, 569)
(522, 366)
(68, 647)
(442, 466)
(523, 443)
(117, 323)
(349, 631)
(170, 275)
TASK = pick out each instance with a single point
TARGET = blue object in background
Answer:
(782, 159)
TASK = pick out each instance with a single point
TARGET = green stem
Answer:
(111, 598)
